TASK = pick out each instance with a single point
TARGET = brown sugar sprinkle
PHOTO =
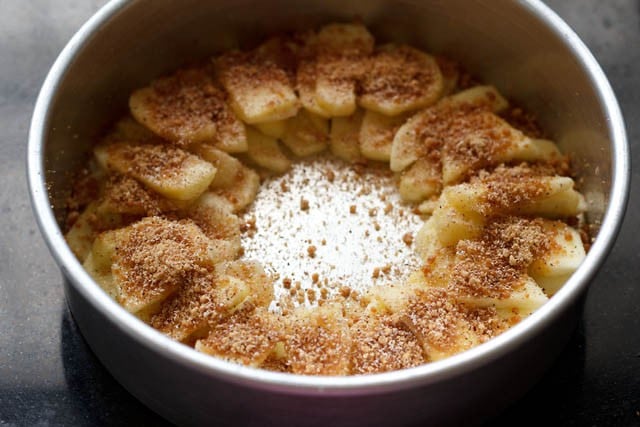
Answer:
(352, 209)
(343, 68)
(86, 189)
(510, 187)
(523, 121)
(338, 46)
(407, 238)
(331, 175)
(304, 204)
(485, 322)
(341, 63)
(398, 75)
(218, 223)
(495, 265)
(364, 191)
(305, 78)
(318, 341)
(311, 251)
(157, 257)
(286, 283)
(187, 103)
(463, 132)
(247, 337)
(249, 225)
(345, 291)
(284, 50)
(125, 195)
(311, 295)
(476, 138)
(248, 71)
(77, 202)
(156, 162)
(248, 273)
(190, 311)
(433, 316)
(383, 344)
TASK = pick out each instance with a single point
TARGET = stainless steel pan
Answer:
(521, 46)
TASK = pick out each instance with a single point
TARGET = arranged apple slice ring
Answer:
(163, 211)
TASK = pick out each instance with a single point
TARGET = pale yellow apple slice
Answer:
(487, 140)
(563, 257)
(344, 139)
(376, 134)
(383, 343)
(400, 79)
(150, 260)
(242, 192)
(484, 96)
(169, 171)
(215, 218)
(518, 190)
(188, 107)
(198, 308)
(306, 134)
(275, 129)
(259, 284)
(445, 227)
(306, 76)
(318, 341)
(439, 324)
(84, 230)
(228, 168)
(248, 338)
(265, 151)
(524, 299)
(421, 180)
(340, 50)
(427, 130)
(463, 208)
(259, 90)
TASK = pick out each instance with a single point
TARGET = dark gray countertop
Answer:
(48, 376)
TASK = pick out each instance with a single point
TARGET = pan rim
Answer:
(326, 386)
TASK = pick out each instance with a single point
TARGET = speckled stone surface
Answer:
(48, 376)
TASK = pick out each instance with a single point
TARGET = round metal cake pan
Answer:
(522, 47)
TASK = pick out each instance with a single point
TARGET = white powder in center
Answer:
(325, 226)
